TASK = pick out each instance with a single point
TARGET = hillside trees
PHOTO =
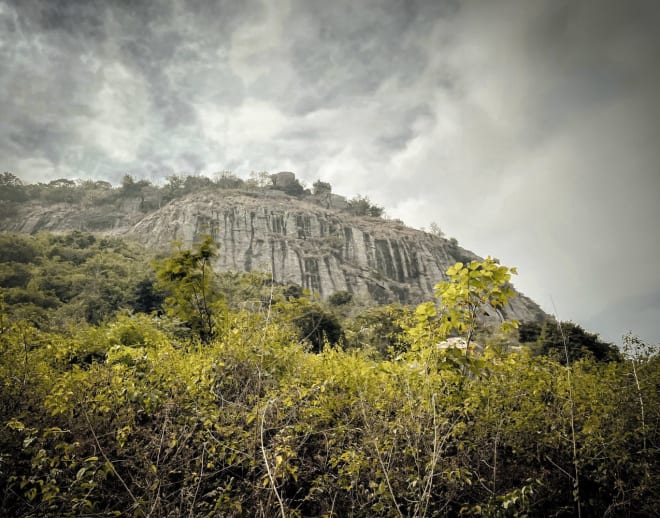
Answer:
(559, 339)
(11, 188)
(319, 188)
(228, 180)
(362, 206)
(187, 276)
(57, 280)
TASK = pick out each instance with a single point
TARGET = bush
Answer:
(362, 206)
(340, 298)
(557, 339)
(11, 188)
(319, 187)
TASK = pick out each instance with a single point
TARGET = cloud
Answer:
(121, 115)
(527, 130)
(542, 151)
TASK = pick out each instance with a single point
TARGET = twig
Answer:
(576, 478)
(559, 467)
(426, 495)
(263, 453)
(380, 459)
(199, 481)
(641, 403)
(160, 449)
(387, 478)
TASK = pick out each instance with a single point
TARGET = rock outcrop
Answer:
(322, 249)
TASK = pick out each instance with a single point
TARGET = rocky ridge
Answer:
(321, 248)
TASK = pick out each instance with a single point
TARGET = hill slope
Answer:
(298, 240)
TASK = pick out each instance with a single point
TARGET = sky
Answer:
(529, 129)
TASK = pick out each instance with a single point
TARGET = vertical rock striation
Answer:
(323, 250)
(319, 247)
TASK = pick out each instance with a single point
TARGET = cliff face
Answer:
(323, 250)
(299, 242)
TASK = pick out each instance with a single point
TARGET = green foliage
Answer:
(247, 290)
(293, 188)
(11, 188)
(381, 328)
(17, 248)
(146, 296)
(313, 322)
(228, 180)
(435, 229)
(362, 206)
(529, 332)
(62, 191)
(564, 341)
(132, 188)
(73, 276)
(174, 187)
(127, 417)
(187, 277)
(473, 288)
(340, 298)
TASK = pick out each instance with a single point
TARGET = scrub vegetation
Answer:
(139, 386)
(98, 193)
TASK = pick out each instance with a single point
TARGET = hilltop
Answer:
(317, 239)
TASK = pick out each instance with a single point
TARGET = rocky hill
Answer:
(303, 240)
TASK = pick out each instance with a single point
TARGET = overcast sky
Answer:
(529, 129)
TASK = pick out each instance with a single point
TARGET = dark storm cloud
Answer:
(339, 59)
(119, 78)
(560, 128)
(589, 54)
(176, 73)
(527, 129)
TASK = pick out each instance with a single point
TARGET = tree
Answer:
(559, 339)
(529, 332)
(259, 180)
(340, 298)
(187, 275)
(380, 327)
(132, 189)
(471, 288)
(313, 322)
(362, 206)
(146, 298)
(11, 188)
(196, 183)
(174, 187)
(319, 187)
(436, 230)
(228, 180)
(292, 188)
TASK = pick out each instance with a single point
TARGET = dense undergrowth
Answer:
(133, 414)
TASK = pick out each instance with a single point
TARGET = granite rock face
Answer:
(319, 247)
(33, 217)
